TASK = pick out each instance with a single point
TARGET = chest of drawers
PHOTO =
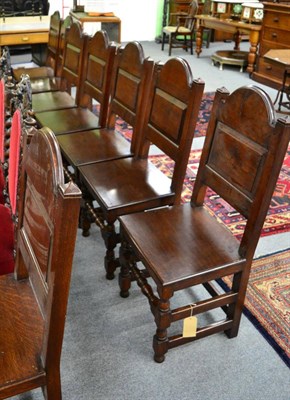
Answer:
(275, 35)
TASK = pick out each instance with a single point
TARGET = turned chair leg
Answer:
(170, 44)
(124, 275)
(163, 41)
(160, 339)
(111, 239)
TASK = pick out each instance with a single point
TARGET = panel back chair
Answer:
(99, 57)
(49, 69)
(182, 27)
(129, 94)
(75, 44)
(184, 246)
(32, 321)
(133, 184)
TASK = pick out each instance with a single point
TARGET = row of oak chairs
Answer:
(180, 246)
(136, 84)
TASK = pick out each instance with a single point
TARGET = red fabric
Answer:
(2, 185)
(2, 119)
(14, 154)
(6, 241)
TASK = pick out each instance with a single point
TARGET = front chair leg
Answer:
(111, 239)
(163, 40)
(125, 255)
(160, 339)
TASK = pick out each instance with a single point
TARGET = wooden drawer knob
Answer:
(274, 35)
(25, 39)
(276, 19)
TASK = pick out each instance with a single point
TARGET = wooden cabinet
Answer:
(179, 6)
(275, 35)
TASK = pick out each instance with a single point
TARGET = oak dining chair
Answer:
(184, 247)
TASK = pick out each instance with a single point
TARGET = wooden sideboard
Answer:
(24, 30)
(275, 34)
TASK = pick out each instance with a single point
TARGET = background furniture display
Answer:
(24, 27)
(112, 25)
(281, 57)
(230, 57)
(235, 27)
(180, 29)
(275, 35)
(26, 34)
(182, 7)
(17, 8)
(252, 12)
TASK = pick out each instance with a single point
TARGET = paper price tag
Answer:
(189, 327)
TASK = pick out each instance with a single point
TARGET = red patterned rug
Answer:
(267, 302)
(278, 218)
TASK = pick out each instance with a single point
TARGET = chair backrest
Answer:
(53, 40)
(171, 116)
(193, 7)
(242, 157)
(74, 47)
(130, 89)
(99, 57)
(192, 11)
(65, 24)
